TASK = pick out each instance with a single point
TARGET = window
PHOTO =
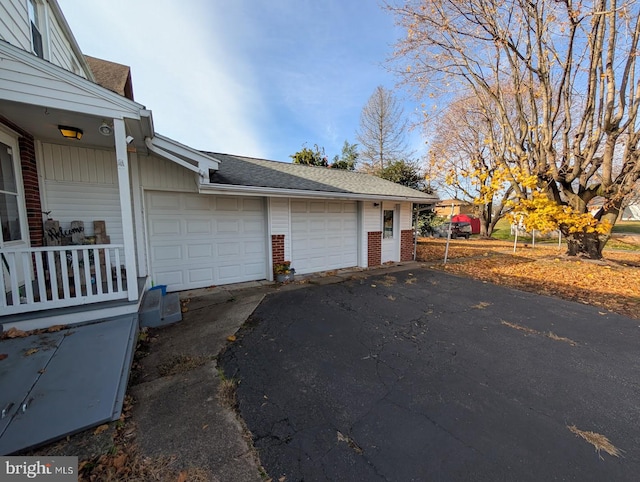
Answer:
(387, 224)
(36, 26)
(11, 222)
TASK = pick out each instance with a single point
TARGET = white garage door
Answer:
(198, 240)
(324, 235)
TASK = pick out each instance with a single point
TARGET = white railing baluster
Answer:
(97, 270)
(53, 275)
(25, 269)
(87, 273)
(13, 276)
(75, 266)
(118, 270)
(107, 269)
(64, 272)
(3, 288)
(40, 276)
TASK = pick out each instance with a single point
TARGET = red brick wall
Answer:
(406, 245)
(374, 248)
(30, 181)
(277, 248)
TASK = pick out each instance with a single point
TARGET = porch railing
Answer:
(59, 276)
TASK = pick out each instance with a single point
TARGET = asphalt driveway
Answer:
(418, 375)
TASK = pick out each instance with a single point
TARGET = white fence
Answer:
(54, 277)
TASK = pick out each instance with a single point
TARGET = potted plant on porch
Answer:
(283, 272)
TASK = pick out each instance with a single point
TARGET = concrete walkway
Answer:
(177, 410)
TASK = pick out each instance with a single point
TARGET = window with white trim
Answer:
(35, 24)
(12, 210)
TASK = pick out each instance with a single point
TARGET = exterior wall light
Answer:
(70, 132)
(105, 129)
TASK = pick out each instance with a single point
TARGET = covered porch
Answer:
(89, 178)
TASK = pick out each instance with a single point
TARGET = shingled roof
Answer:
(112, 76)
(261, 173)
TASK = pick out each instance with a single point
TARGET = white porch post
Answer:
(119, 133)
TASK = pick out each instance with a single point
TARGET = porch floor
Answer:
(36, 320)
(59, 383)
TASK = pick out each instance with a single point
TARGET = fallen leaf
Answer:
(53, 329)
(184, 309)
(31, 351)
(231, 338)
(41, 371)
(101, 429)
(182, 476)
(14, 333)
(3, 356)
(119, 461)
(205, 426)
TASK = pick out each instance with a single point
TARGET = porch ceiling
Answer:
(43, 122)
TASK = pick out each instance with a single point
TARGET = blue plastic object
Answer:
(160, 287)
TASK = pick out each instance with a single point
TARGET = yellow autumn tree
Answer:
(560, 82)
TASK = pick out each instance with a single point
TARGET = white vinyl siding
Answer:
(15, 28)
(406, 216)
(81, 184)
(281, 222)
(199, 240)
(75, 201)
(14, 24)
(159, 174)
(324, 235)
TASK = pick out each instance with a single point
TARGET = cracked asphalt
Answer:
(419, 375)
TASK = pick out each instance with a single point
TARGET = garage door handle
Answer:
(6, 409)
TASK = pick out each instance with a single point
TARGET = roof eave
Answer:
(212, 188)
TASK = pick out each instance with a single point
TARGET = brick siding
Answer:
(277, 248)
(374, 248)
(406, 245)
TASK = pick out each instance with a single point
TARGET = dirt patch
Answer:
(181, 364)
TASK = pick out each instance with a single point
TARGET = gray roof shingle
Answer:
(248, 171)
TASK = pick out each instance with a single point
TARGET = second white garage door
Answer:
(324, 235)
(198, 240)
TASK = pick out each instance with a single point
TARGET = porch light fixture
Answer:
(70, 132)
(105, 129)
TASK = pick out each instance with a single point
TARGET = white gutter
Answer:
(299, 193)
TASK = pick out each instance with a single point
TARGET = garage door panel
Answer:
(253, 205)
(227, 204)
(194, 203)
(200, 276)
(203, 240)
(199, 251)
(199, 226)
(254, 248)
(324, 235)
(167, 253)
(253, 226)
(163, 227)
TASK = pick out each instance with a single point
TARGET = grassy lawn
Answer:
(502, 232)
(627, 227)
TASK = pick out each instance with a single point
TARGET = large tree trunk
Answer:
(586, 245)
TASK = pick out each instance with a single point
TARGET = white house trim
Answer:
(124, 184)
(28, 79)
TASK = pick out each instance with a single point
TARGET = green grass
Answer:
(627, 227)
(502, 231)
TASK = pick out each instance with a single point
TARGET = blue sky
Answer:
(249, 77)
